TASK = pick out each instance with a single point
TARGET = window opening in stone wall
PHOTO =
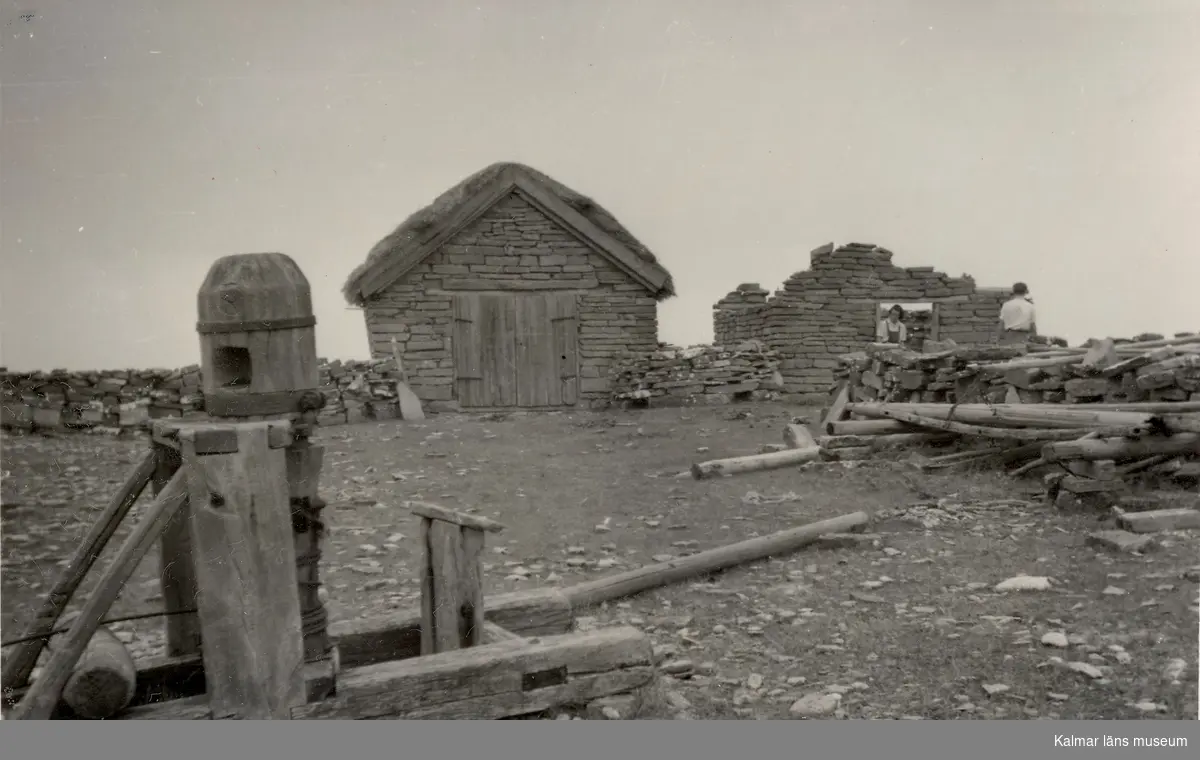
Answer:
(920, 321)
(231, 367)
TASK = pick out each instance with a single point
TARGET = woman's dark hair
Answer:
(899, 311)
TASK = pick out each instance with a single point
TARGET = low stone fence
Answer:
(706, 375)
(115, 400)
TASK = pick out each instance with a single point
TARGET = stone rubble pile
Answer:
(707, 375)
(113, 400)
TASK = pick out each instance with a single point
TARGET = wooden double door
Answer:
(516, 349)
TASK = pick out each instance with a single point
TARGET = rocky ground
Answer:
(911, 621)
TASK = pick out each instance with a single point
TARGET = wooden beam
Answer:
(434, 512)
(246, 575)
(712, 560)
(505, 679)
(755, 462)
(216, 437)
(493, 681)
(39, 702)
(493, 633)
(23, 659)
(177, 571)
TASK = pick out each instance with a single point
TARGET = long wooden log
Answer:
(1121, 448)
(869, 427)
(1009, 434)
(882, 442)
(963, 457)
(1033, 415)
(43, 695)
(712, 560)
(104, 680)
(755, 462)
(23, 659)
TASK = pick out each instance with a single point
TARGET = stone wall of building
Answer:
(513, 241)
(830, 309)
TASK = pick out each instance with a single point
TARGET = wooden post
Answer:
(258, 358)
(176, 569)
(246, 576)
(451, 577)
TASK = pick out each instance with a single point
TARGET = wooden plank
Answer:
(470, 587)
(436, 686)
(407, 401)
(177, 573)
(445, 558)
(837, 409)
(24, 658)
(534, 342)
(516, 286)
(426, 623)
(565, 322)
(304, 462)
(39, 702)
(434, 512)
(493, 633)
(246, 574)
(500, 348)
(467, 344)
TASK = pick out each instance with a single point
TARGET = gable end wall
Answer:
(513, 240)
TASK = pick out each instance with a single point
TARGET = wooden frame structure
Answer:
(235, 513)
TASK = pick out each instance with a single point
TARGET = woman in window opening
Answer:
(891, 329)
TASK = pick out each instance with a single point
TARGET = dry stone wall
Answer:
(829, 310)
(115, 400)
(705, 375)
(512, 241)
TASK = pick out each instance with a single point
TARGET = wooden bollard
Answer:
(451, 577)
(258, 359)
(242, 540)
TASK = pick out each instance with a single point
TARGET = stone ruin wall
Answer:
(829, 310)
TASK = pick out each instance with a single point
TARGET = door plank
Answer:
(565, 323)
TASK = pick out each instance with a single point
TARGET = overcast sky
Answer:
(1049, 141)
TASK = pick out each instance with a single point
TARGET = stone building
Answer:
(831, 309)
(510, 290)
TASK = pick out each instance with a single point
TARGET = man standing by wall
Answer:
(1018, 317)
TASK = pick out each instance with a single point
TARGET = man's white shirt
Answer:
(1018, 314)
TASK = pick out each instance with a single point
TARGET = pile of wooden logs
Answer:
(1106, 371)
